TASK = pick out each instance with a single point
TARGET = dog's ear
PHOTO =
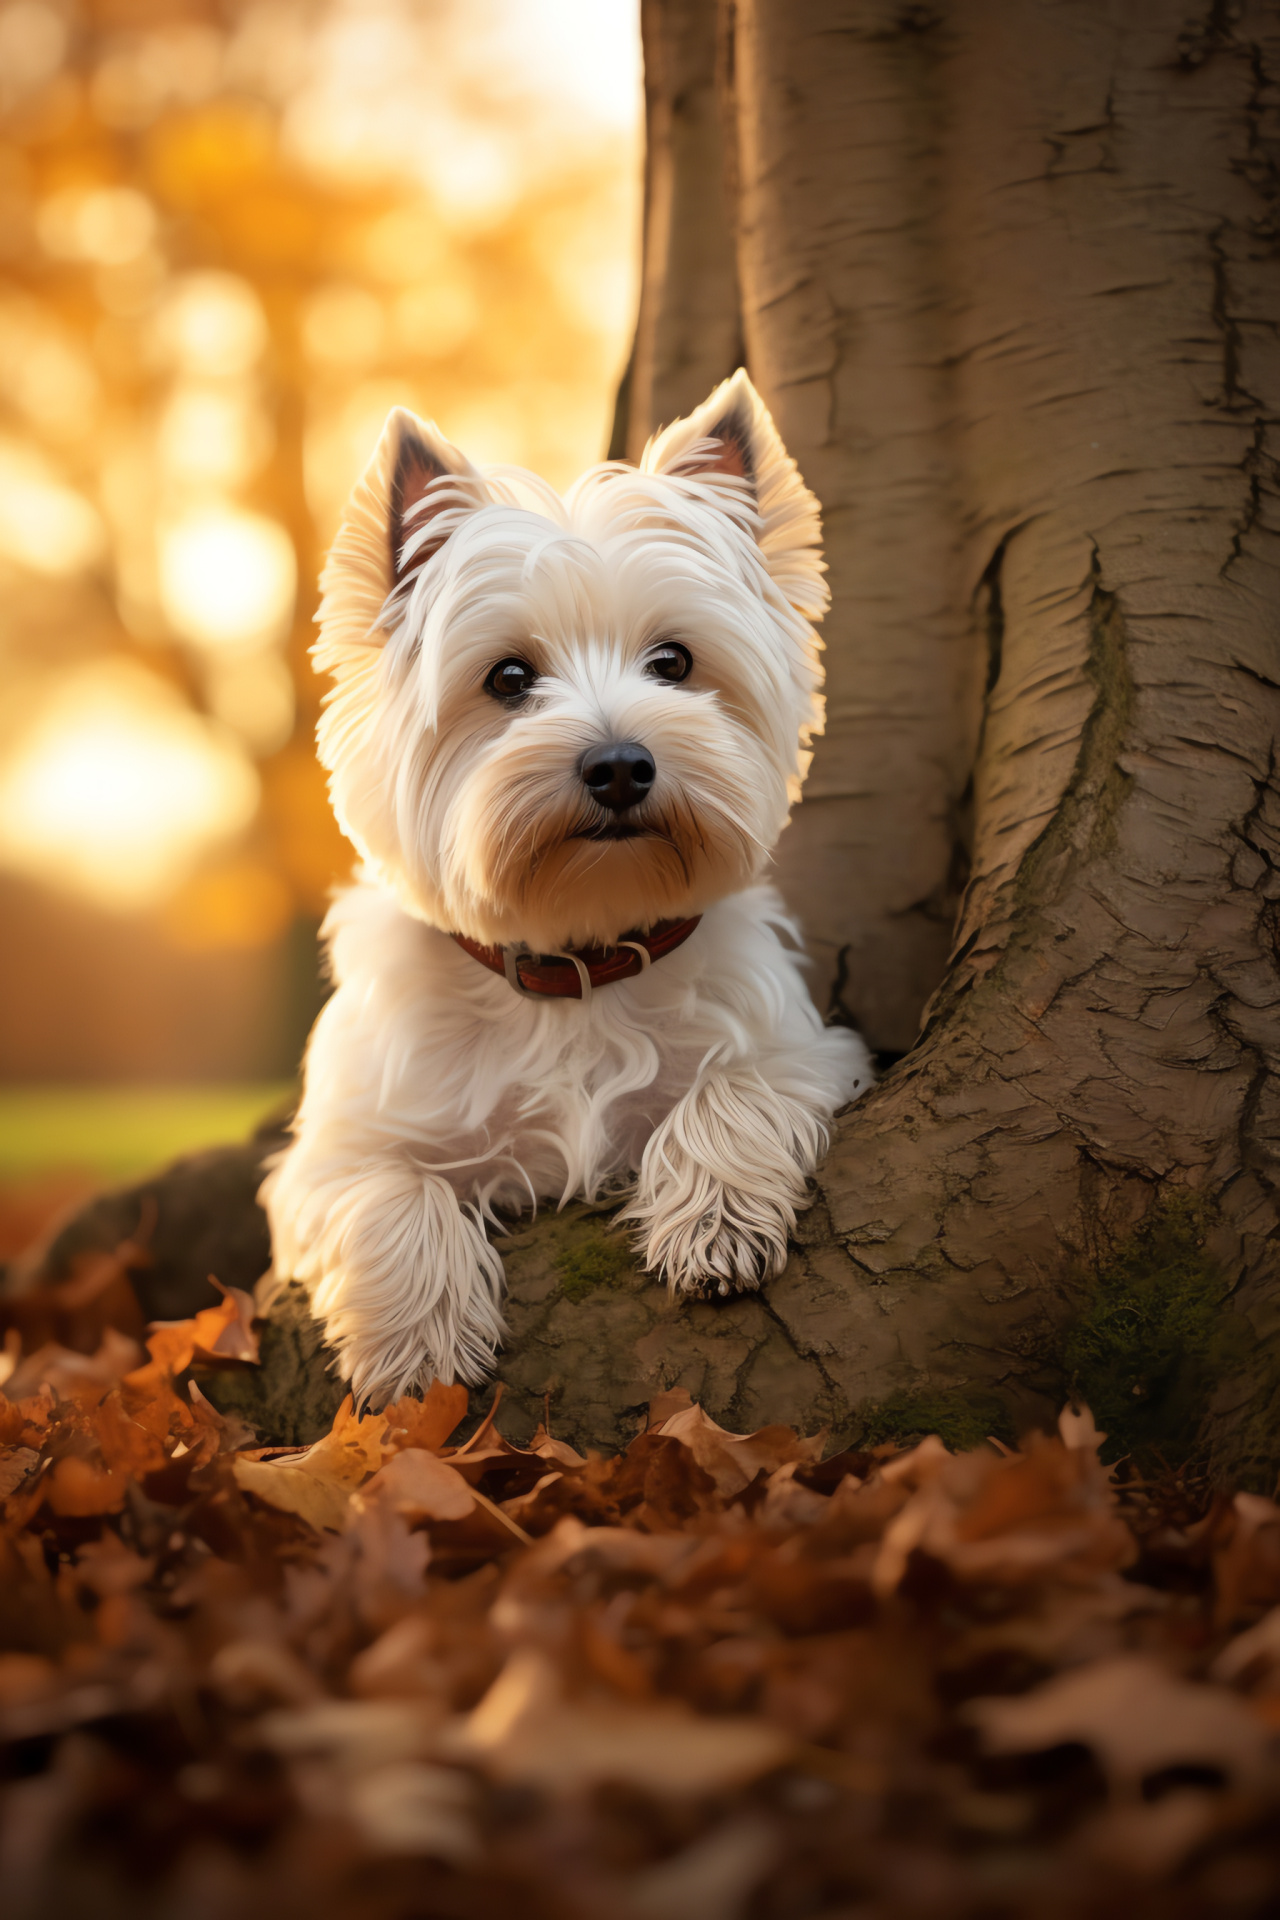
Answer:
(420, 456)
(395, 520)
(731, 443)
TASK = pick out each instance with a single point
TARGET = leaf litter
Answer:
(717, 1677)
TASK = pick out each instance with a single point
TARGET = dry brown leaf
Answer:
(235, 1339)
(411, 1808)
(76, 1488)
(1136, 1717)
(1079, 1430)
(401, 1661)
(1246, 1559)
(26, 1677)
(734, 1459)
(1257, 1650)
(214, 1335)
(16, 1463)
(318, 1482)
(420, 1484)
(558, 1450)
(356, 1734)
(525, 1731)
(427, 1422)
(85, 1377)
(1007, 1516)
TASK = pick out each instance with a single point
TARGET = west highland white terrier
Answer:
(564, 735)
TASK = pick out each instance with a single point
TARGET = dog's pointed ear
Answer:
(395, 520)
(418, 457)
(731, 439)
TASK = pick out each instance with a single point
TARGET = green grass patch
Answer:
(961, 1417)
(595, 1259)
(1155, 1337)
(116, 1133)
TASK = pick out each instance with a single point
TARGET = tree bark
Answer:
(843, 260)
(688, 333)
(1106, 1029)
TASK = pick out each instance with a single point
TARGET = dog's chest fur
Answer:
(518, 1098)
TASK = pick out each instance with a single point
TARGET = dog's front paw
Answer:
(704, 1237)
(722, 1241)
(720, 1184)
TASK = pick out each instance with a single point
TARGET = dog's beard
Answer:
(530, 856)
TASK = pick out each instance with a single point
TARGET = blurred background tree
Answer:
(231, 236)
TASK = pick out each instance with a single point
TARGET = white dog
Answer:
(564, 735)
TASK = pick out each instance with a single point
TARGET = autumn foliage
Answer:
(717, 1675)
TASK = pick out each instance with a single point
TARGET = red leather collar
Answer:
(575, 975)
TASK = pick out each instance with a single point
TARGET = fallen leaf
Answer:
(215, 1335)
(1246, 1561)
(409, 1807)
(85, 1377)
(419, 1483)
(428, 1422)
(317, 1483)
(1258, 1648)
(525, 1731)
(15, 1465)
(1137, 1719)
(733, 1460)
(1007, 1517)
(1079, 1430)
(76, 1488)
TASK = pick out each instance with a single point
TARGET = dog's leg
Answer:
(721, 1181)
(401, 1275)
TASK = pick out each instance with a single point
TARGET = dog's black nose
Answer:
(619, 775)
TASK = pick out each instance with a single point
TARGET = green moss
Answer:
(1155, 1337)
(595, 1259)
(962, 1418)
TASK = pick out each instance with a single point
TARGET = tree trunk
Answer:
(688, 333)
(1079, 209)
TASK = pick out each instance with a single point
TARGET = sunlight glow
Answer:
(227, 578)
(253, 694)
(118, 786)
(106, 224)
(213, 324)
(213, 435)
(44, 524)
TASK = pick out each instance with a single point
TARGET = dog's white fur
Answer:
(435, 1093)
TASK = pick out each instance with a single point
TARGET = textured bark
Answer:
(843, 256)
(688, 333)
(1107, 1027)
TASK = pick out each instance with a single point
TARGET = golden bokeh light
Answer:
(44, 524)
(213, 323)
(109, 225)
(252, 693)
(213, 435)
(227, 578)
(343, 326)
(118, 787)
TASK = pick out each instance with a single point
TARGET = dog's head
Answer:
(555, 720)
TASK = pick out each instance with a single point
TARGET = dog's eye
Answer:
(510, 678)
(670, 662)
